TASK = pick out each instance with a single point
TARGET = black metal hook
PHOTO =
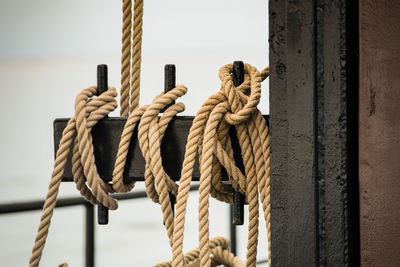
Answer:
(169, 84)
(238, 198)
(102, 86)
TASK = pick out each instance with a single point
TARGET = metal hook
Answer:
(102, 86)
(238, 198)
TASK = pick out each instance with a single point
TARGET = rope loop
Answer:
(242, 100)
(150, 134)
(209, 136)
(220, 254)
(89, 109)
(83, 156)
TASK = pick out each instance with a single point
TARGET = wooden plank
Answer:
(379, 132)
(106, 136)
(292, 147)
(337, 147)
(279, 133)
(313, 107)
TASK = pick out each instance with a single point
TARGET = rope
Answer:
(131, 56)
(219, 248)
(125, 56)
(209, 138)
(136, 54)
(150, 133)
(235, 106)
(88, 111)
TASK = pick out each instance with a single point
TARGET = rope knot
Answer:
(89, 109)
(242, 100)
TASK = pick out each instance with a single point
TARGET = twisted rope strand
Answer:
(208, 137)
(235, 106)
(95, 111)
(126, 55)
(219, 247)
(136, 54)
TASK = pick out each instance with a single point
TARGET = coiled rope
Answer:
(219, 247)
(208, 137)
(235, 106)
(88, 111)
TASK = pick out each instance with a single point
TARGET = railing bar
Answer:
(90, 236)
(66, 202)
(232, 231)
(262, 261)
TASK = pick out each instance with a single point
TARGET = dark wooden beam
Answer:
(313, 109)
(106, 136)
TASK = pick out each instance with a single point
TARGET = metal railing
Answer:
(15, 207)
(34, 205)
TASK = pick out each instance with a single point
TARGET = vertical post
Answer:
(89, 248)
(238, 198)
(313, 110)
(102, 86)
(169, 84)
(232, 232)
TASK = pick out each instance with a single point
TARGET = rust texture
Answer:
(379, 132)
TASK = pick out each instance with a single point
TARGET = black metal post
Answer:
(89, 249)
(238, 198)
(169, 84)
(102, 86)
(232, 232)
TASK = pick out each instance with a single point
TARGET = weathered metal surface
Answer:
(292, 129)
(379, 132)
(238, 198)
(102, 86)
(313, 109)
(106, 135)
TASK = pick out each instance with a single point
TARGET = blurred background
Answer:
(48, 53)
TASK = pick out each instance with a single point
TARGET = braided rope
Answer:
(87, 113)
(219, 248)
(136, 54)
(126, 55)
(150, 133)
(131, 55)
(208, 136)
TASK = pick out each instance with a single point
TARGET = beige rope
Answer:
(219, 247)
(231, 106)
(150, 133)
(88, 111)
(136, 54)
(131, 55)
(235, 106)
(125, 55)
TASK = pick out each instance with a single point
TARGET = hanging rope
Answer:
(131, 56)
(126, 56)
(136, 62)
(230, 106)
(209, 138)
(88, 111)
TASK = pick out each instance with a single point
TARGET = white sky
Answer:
(93, 27)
